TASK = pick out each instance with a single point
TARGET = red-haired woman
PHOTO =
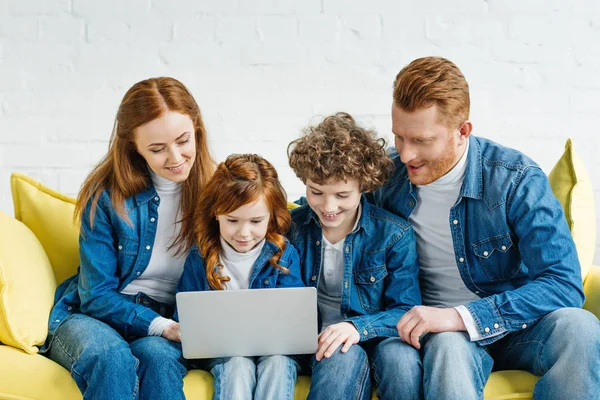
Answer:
(111, 325)
(240, 224)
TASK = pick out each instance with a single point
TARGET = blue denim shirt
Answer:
(262, 276)
(512, 244)
(112, 255)
(380, 267)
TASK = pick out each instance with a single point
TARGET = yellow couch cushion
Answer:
(27, 286)
(571, 185)
(49, 215)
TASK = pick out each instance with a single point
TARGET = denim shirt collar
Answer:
(146, 195)
(363, 222)
(473, 182)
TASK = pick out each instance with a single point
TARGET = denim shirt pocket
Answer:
(370, 285)
(127, 252)
(498, 257)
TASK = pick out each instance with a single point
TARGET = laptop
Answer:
(251, 322)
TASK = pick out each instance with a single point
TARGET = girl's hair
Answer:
(338, 149)
(239, 180)
(123, 172)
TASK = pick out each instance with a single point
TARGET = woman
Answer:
(111, 325)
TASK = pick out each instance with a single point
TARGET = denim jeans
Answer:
(247, 378)
(396, 368)
(563, 348)
(106, 366)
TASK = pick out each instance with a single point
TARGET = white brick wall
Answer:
(262, 69)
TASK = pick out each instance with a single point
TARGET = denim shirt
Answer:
(262, 276)
(380, 267)
(112, 254)
(511, 241)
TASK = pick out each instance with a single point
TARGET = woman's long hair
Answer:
(123, 172)
(241, 179)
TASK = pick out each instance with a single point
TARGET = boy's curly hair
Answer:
(338, 149)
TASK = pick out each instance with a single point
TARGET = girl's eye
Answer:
(233, 221)
(342, 196)
(256, 221)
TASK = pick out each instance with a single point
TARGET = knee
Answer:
(156, 349)
(112, 357)
(575, 327)
(354, 357)
(277, 363)
(393, 351)
(447, 346)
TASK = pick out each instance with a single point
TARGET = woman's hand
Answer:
(333, 336)
(172, 332)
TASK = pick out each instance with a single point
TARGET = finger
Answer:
(347, 345)
(405, 331)
(415, 335)
(333, 346)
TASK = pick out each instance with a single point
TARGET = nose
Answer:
(406, 152)
(330, 204)
(175, 155)
(244, 230)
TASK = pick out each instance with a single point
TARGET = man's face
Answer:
(427, 147)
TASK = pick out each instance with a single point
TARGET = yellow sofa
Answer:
(38, 250)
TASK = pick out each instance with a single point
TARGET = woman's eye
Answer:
(184, 142)
(156, 150)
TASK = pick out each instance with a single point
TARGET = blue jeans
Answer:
(261, 378)
(396, 368)
(106, 366)
(563, 348)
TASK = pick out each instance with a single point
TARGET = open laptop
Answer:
(253, 322)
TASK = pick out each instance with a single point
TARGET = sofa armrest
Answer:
(591, 287)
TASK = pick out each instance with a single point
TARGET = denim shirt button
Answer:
(317, 243)
(411, 203)
(346, 284)
(486, 330)
(69, 308)
(524, 326)
(58, 320)
(120, 247)
(147, 247)
(138, 273)
(372, 279)
(485, 253)
(496, 326)
(156, 198)
(503, 248)
(455, 222)
(313, 278)
(477, 292)
(461, 259)
(152, 219)
(266, 281)
(365, 332)
(345, 315)
(347, 249)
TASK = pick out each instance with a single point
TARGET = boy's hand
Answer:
(424, 319)
(172, 332)
(333, 336)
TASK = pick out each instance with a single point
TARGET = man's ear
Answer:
(465, 129)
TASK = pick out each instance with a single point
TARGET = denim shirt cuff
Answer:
(365, 330)
(490, 324)
(142, 321)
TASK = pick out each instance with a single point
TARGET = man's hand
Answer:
(172, 332)
(423, 319)
(333, 336)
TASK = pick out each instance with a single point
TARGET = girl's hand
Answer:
(172, 332)
(333, 336)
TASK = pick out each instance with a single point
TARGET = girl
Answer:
(240, 223)
(111, 324)
(361, 259)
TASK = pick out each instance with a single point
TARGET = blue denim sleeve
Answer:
(191, 279)
(547, 250)
(402, 290)
(293, 279)
(98, 279)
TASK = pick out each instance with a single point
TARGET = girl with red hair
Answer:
(240, 225)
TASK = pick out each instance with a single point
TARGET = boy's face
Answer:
(335, 203)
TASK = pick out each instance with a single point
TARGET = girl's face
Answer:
(246, 226)
(168, 145)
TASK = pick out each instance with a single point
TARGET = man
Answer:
(500, 278)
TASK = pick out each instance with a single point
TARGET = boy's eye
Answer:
(316, 193)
